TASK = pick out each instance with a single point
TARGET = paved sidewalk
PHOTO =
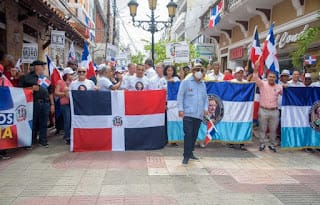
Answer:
(222, 176)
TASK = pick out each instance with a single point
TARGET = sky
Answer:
(132, 36)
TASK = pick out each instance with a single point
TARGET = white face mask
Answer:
(198, 74)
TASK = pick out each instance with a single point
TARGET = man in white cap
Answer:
(307, 79)
(284, 77)
(316, 84)
(239, 75)
(238, 79)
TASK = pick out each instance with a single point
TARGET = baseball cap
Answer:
(38, 62)
(239, 68)
(197, 63)
(99, 67)
(285, 72)
(307, 75)
(120, 70)
(68, 70)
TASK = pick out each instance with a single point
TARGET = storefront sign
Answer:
(285, 38)
(57, 39)
(29, 52)
(236, 53)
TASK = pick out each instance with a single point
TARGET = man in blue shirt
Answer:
(192, 105)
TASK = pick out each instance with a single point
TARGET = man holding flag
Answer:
(42, 98)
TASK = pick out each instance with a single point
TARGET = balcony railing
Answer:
(230, 4)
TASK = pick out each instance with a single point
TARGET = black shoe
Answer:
(231, 146)
(46, 145)
(262, 147)
(4, 157)
(185, 160)
(28, 148)
(272, 148)
(194, 157)
(67, 142)
(309, 150)
(242, 147)
(174, 144)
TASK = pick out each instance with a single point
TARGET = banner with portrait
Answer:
(300, 118)
(230, 109)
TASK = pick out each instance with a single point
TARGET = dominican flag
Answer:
(269, 53)
(215, 15)
(43, 81)
(310, 60)
(114, 121)
(71, 53)
(300, 117)
(16, 112)
(54, 73)
(235, 106)
(211, 130)
(256, 52)
(86, 61)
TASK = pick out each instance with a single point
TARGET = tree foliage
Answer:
(308, 37)
(137, 59)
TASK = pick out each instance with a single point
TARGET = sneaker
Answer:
(28, 148)
(272, 148)
(231, 146)
(173, 144)
(202, 145)
(4, 157)
(262, 147)
(46, 145)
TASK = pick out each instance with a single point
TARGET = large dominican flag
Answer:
(300, 117)
(86, 61)
(256, 52)
(234, 105)
(269, 53)
(215, 15)
(117, 120)
(55, 75)
(16, 112)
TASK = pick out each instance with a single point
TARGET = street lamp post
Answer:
(152, 25)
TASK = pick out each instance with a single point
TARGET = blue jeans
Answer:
(40, 121)
(190, 128)
(66, 113)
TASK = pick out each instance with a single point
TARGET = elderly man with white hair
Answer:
(104, 82)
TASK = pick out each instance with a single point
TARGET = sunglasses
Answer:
(199, 69)
(81, 71)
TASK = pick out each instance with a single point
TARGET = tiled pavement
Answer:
(222, 176)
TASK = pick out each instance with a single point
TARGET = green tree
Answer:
(137, 59)
(308, 37)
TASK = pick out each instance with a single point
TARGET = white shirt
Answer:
(237, 81)
(126, 80)
(157, 83)
(315, 84)
(104, 84)
(297, 84)
(82, 85)
(150, 73)
(218, 77)
(136, 83)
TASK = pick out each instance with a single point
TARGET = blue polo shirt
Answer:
(192, 98)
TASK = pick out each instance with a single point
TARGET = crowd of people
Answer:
(192, 97)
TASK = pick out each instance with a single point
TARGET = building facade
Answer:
(232, 36)
(32, 21)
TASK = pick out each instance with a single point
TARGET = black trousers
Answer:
(190, 128)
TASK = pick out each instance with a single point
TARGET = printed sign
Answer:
(57, 39)
(29, 52)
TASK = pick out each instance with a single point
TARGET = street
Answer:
(222, 176)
